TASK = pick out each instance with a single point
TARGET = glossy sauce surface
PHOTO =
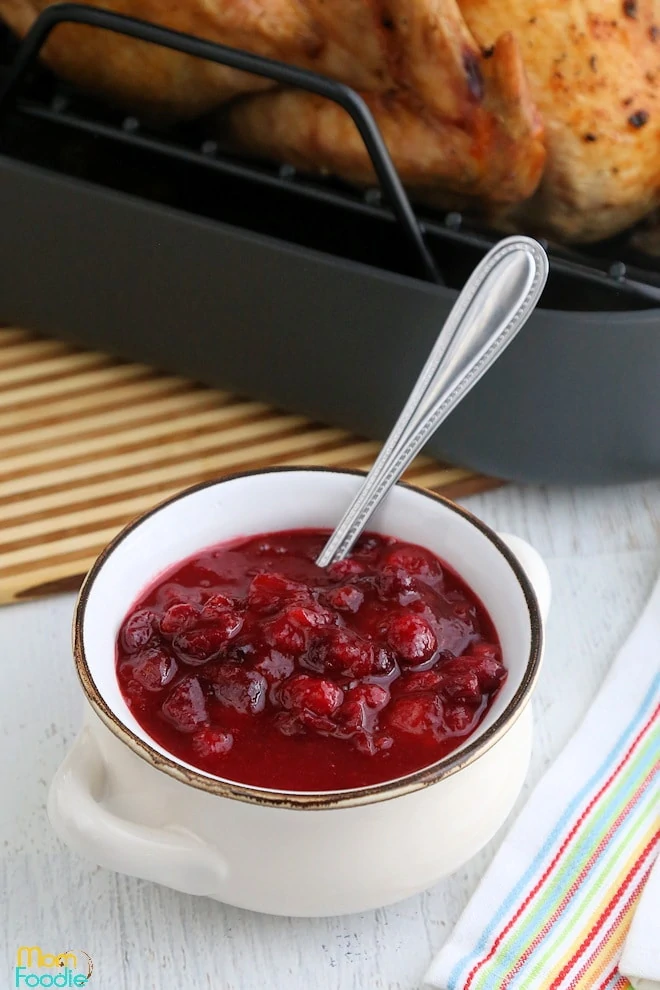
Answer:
(253, 664)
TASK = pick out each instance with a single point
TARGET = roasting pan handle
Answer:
(280, 72)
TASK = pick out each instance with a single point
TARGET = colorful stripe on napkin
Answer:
(563, 924)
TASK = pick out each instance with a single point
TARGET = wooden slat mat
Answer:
(89, 442)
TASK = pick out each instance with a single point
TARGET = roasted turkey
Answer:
(594, 71)
(541, 115)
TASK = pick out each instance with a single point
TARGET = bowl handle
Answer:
(534, 567)
(166, 854)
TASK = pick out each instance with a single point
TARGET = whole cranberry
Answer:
(285, 635)
(346, 598)
(215, 607)
(491, 672)
(179, 617)
(408, 562)
(462, 686)
(185, 706)
(227, 624)
(458, 719)
(138, 630)
(485, 668)
(240, 689)
(317, 695)
(209, 741)
(488, 666)
(154, 668)
(372, 695)
(417, 715)
(361, 706)
(403, 568)
(198, 646)
(137, 696)
(412, 638)
(343, 652)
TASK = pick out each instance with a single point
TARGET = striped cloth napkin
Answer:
(554, 909)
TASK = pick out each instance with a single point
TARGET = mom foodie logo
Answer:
(36, 968)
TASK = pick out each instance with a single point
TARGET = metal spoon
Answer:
(496, 301)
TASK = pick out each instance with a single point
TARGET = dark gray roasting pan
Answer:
(157, 244)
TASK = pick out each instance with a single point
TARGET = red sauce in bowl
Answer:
(250, 662)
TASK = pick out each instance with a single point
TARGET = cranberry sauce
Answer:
(250, 662)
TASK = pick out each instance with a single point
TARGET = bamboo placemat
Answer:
(89, 442)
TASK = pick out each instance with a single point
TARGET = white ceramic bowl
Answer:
(124, 802)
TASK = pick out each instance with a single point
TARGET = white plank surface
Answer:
(603, 550)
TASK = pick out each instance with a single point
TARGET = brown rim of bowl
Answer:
(313, 800)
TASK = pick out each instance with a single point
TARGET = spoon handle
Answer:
(495, 303)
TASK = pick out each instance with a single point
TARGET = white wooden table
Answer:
(603, 550)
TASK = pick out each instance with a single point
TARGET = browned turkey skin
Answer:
(541, 115)
(594, 71)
